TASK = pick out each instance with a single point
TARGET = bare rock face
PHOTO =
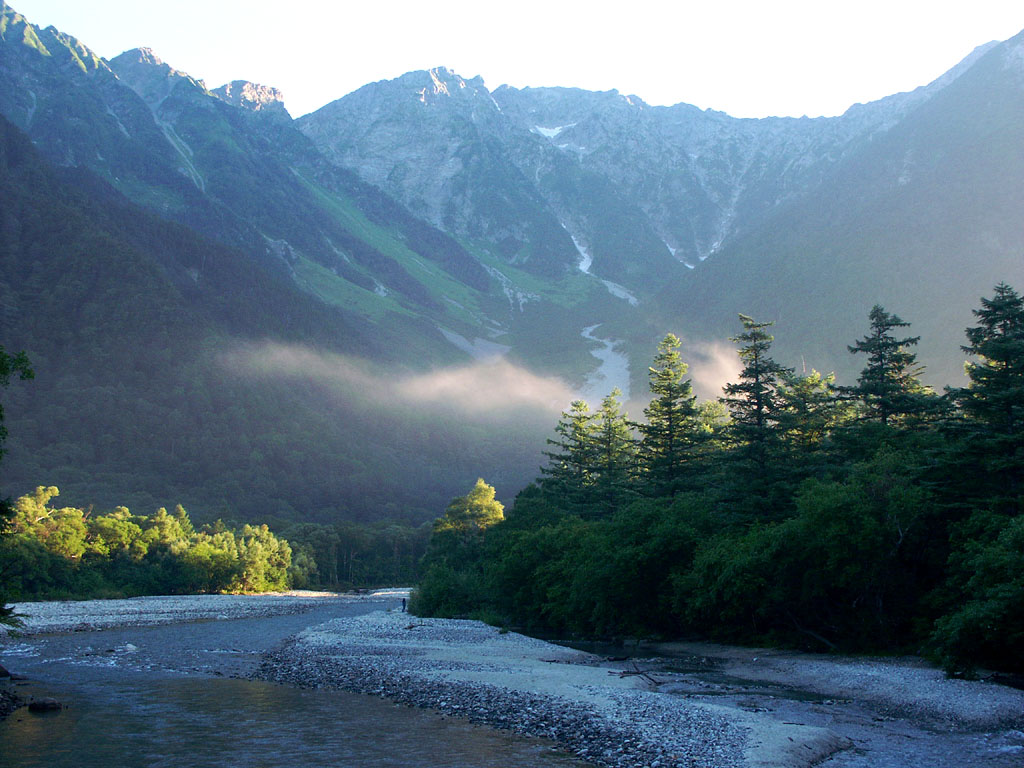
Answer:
(253, 96)
(615, 174)
(439, 143)
(150, 77)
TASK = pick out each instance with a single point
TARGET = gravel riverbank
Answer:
(904, 687)
(88, 615)
(506, 680)
(674, 704)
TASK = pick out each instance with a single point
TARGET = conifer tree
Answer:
(568, 476)
(996, 393)
(811, 411)
(672, 430)
(754, 479)
(994, 401)
(754, 402)
(888, 387)
(614, 458)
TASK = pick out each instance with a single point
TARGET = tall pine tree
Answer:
(754, 477)
(888, 388)
(568, 476)
(754, 402)
(672, 431)
(614, 458)
(994, 401)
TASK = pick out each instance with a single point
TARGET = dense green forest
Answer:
(10, 365)
(879, 516)
(147, 340)
(52, 552)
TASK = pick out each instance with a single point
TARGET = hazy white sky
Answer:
(750, 58)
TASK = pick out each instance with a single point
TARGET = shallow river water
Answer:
(165, 697)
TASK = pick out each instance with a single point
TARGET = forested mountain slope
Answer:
(230, 307)
(147, 342)
(924, 218)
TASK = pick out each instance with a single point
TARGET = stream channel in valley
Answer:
(175, 696)
(171, 696)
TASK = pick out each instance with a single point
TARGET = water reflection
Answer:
(210, 722)
(150, 708)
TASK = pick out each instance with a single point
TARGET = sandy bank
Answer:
(510, 681)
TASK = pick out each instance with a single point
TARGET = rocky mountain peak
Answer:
(146, 55)
(13, 24)
(434, 85)
(150, 77)
(60, 48)
(1013, 55)
(253, 96)
(145, 59)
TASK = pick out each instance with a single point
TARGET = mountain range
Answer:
(359, 311)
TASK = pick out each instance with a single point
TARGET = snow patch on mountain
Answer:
(439, 85)
(31, 110)
(908, 165)
(551, 133)
(575, 149)
(619, 292)
(585, 258)
(1013, 59)
(516, 297)
(478, 349)
(117, 120)
(184, 151)
(584, 264)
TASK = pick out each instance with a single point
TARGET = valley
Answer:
(426, 222)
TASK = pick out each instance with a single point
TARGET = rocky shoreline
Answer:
(673, 704)
(88, 615)
(9, 701)
(509, 681)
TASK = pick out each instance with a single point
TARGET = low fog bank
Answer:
(490, 389)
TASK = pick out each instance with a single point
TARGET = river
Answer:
(175, 695)
(171, 695)
(612, 372)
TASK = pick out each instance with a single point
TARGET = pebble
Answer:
(637, 728)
